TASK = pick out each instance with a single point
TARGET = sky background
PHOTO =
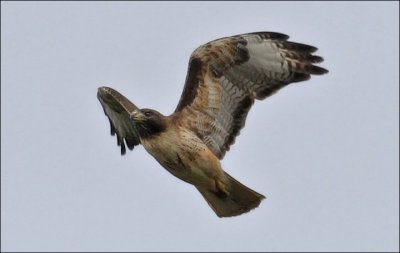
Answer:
(324, 152)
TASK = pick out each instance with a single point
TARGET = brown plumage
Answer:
(224, 78)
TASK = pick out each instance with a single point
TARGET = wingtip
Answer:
(270, 35)
(103, 89)
(316, 70)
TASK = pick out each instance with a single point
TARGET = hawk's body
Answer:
(225, 77)
(183, 154)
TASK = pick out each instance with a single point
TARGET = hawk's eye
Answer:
(148, 113)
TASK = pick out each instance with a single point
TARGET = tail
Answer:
(241, 199)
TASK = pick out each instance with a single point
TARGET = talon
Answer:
(222, 192)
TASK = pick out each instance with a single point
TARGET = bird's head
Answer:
(148, 122)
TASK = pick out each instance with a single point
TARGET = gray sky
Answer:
(324, 152)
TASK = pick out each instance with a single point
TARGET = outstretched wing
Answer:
(118, 108)
(225, 76)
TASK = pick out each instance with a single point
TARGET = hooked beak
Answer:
(136, 115)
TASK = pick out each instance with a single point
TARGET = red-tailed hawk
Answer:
(224, 78)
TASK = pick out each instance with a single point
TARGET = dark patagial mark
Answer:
(191, 85)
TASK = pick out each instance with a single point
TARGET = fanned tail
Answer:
(241, 199)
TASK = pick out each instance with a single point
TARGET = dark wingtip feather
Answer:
(273, 35)
(270, 35)
(316, 59)
(123, 149)
(299, 77)
(298, 47)
(303, 74)
(111, 127)
(315, 70)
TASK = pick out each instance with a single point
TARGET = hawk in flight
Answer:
(224, 78)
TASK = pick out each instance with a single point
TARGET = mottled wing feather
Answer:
(118, 108)
(225, 76)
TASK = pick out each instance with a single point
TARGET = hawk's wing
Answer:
(225, 76)
(118, 108)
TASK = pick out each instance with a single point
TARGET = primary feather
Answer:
(225, 76)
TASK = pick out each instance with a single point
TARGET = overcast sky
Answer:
(324, 152)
